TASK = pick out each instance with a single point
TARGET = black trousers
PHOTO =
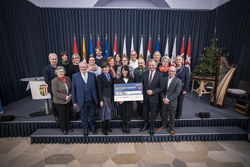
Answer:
(63, 115)
(139, 108)
(53, 108)
(179, 106)
(149, 107)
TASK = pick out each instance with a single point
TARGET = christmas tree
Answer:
(207, 66)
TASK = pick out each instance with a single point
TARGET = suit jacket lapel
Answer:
(172, 83)
(153, 79)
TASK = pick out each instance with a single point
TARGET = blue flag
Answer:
(158, 45)
(106, 49)
(91, 52)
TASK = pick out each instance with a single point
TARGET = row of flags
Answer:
(148, 55)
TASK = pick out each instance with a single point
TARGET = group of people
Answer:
(89, 86)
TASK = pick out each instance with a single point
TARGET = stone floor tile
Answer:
(3, 157)
(65, 148)
(183, 146)
(159, 157)
(109, 163)
(154, 147)
(191, 156)
(238, 146)
(233, 164)
(39, 164)
(196, 164)
(59, 159)
(127, 165)
(74, 163)
(24, 160)
(49, 150)
(125, 148)
(80, 150)
(96, 149)
(19, 149)
(54, 165)
(210, 162)
(224, 156)
(178, 163)
(162, 165)
(110, 150)
(36, 148)
(6, 146)
(144, 163)
(91, 165)
(213, 146)
(170, 147)
(199, 147)
(126, 159)
(140, 149)
(90, 159)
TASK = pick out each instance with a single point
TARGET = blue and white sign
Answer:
(128, 92)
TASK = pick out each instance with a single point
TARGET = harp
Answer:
(224, 75)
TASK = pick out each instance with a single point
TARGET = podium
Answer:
(39, 91)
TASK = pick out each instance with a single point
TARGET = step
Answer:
(209, 133)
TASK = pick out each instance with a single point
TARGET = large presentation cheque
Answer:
(128, 92)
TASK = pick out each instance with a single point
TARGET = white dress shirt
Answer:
(133, 64)
(169, 82)
(86, 74)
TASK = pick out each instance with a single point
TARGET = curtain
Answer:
(29, 33)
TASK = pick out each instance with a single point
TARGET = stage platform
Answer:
(224, 124)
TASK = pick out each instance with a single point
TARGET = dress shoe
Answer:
(177, 117)
(94, 131)
(70, 130)
(85, 133)
(105, 132)
(64, 132)
(143, 128)
(172, 132)
(161, 128)
(151, 131)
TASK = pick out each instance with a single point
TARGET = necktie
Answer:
(150, 78)
(85, 78)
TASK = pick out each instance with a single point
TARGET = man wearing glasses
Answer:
(172, 88)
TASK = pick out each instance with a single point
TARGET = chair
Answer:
(242, 90)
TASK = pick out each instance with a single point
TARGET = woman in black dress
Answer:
(183, 74)
(105, 93)
(125, 107)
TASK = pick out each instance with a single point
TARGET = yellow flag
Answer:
(83, 49)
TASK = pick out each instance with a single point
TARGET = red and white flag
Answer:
(115, 46)
(75, 46)
(98, 40)
(173, 57)
(188, 56)
(149, 50)
(182, 47)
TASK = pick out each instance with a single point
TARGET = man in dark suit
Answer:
(152, 86)
(172, 89)
(138, 78)
(84, 96)
(49, 75)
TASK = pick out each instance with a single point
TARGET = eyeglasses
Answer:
(171, 71)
